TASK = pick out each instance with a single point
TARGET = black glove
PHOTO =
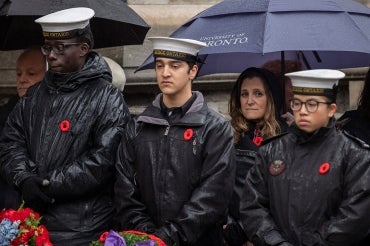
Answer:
(33, 194)
(164, 237)
(285, 244)
(234, 235)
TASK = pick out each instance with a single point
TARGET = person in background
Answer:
(311, 185)
(30, 69)
(254, 106)
(357, 122)
(176, 162)
(118, 74)
(275, 66)
(59, 144)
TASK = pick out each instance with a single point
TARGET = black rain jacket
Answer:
(308, 190)
(356, 123)
(173, 184)
(79, 162)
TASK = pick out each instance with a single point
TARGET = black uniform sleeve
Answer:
(131, 212)
(15, 163)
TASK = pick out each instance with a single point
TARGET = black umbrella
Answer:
(114, 23)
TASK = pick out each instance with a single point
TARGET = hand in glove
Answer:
(234, 235)
(33, 194)
(285, 244)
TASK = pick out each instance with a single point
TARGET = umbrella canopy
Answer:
(114, 23)
(243, 33)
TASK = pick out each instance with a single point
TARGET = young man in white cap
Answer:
(310, 186)
(59, 144)
(176, 161)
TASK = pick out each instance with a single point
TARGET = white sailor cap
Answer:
(65, 24)
(321, 82)
(176, 48)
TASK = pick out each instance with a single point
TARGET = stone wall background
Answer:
(164, 16)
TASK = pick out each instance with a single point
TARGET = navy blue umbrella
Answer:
(243, 33)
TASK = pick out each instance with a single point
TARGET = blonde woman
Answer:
(255, 103)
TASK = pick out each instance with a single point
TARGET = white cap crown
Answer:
(317, 78)
(61, 22)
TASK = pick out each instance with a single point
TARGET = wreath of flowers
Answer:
(22, 227)
(127, 238)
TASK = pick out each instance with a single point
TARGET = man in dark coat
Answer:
(310, 186)
(176, 161)
(357, 122)
(30, 69)
(60, 142)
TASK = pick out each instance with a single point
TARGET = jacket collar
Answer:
(304, 137)
(193, 116)
(95, 67)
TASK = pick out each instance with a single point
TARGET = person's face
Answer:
(174, 76)
(288, 93)
(253, 99)
(30, 69)
(310, 122)
(70, 59)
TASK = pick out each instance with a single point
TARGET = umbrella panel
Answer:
(319, 33)
(114, 23)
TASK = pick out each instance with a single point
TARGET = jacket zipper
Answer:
(167, 130)
(159, 212)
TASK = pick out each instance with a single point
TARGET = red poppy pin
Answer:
(276, 167)
(324, 168)
(64, 126)
(188, 134)
(257, 140)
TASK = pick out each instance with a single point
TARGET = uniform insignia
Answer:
(276, 167)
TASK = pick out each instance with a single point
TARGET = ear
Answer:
(84, 49)
(332, 109)
(193, 72)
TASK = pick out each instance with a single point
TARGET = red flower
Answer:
(324, 168)
(64, 126)
(30, 232)
(188, 134)
(10, 214)
(257, 140)
(157, 239)
(103, 236)
(41, 230)
(131, 237)
(25, 213)
(43, 240)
